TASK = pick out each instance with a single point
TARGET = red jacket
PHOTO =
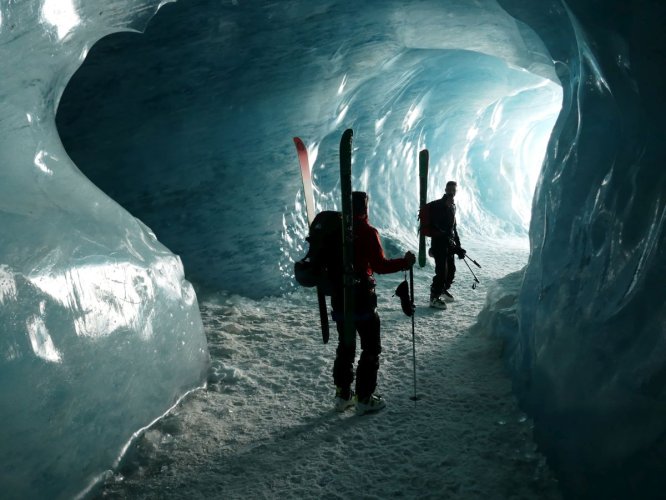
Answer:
(369, 255)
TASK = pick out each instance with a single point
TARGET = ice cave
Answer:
(149, 166)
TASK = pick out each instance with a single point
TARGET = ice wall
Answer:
(589, 353)
(99, 331)
(190, 126)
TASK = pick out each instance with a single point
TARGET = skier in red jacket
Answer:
(369, 258)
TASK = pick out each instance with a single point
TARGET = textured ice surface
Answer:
(590, 351)
(99, 331)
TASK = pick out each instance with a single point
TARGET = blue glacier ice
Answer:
(100, 332)
(188, 127)
(588, 353)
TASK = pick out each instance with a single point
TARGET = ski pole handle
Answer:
(475, 262)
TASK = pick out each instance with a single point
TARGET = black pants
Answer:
(445, 271)
(368, 327)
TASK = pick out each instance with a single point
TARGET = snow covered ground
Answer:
(265, 427)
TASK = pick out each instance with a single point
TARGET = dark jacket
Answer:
(443, 220)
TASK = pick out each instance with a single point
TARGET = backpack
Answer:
(425, 218)
(322, 265)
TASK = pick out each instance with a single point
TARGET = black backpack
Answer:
(425, 219)
(322, 266)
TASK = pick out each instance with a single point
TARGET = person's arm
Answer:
(377, 259)
(459, 250)
(456, 238)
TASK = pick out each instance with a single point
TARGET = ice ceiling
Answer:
(189, 129)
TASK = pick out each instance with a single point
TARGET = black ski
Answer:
(423, 199)
(347, 235)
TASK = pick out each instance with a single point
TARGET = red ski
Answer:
(308, 193)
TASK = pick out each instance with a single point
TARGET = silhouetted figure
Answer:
(369, 258)
(445, 245)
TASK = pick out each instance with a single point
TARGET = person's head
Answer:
(359, 203)
(451, 188)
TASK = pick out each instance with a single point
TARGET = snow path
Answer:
(265, 427)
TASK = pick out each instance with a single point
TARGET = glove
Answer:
(461, 252)
(410, 258)
(403, 292)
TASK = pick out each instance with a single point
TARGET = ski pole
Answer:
(475, 262)
(411, 300)
(475, 278)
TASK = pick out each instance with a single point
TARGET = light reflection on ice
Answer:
(7, 284)
(379, 124)
(61, 14)
(472, 133)
(341, 115)
(496, 119)
(413, 115)
(107, 297)
(40, 163)
(41, 341)
(341, 88)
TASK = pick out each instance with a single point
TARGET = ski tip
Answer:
(424, 154)
(346, 142)
(299, 143)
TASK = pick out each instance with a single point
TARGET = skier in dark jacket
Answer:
(444, 247)
(369, 258)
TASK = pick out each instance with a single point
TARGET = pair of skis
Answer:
(347, 232)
